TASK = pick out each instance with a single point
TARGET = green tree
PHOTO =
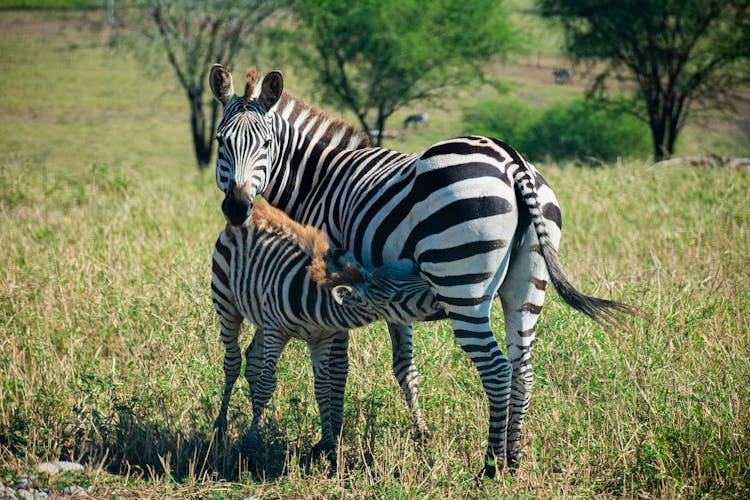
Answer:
(192, 35)
(375, 56)
(681, 55)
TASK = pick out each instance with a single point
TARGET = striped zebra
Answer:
(473, 216)
(285, 279)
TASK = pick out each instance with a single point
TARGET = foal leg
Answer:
(338, 368)
(264, 388)
(254, 355)
(406, 372)
(231, 323)
(320, 356)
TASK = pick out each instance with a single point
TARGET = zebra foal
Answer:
(286, 280)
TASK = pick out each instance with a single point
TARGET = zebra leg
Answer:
(254, 359)
(474, 334)
(406, 372)
(274, 343)
(320, 354)
(522, 297)
(231, 323)
(338, 367)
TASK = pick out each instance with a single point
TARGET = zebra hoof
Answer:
(321, 450)
(492, 469)
(514, 458)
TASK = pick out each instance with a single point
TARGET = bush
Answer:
(580, 130)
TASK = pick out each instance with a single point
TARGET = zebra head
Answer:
(383, 287)
(244, 136)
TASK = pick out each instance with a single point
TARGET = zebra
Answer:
(475, 218)
(416, 119)
(286, 280)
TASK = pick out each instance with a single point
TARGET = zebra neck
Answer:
(301, 172)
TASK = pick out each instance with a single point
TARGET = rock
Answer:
(25, 494)
(7, 493)
(74, 490)
(59, 466)
(22, 483)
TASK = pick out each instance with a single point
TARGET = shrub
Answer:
(580, 130)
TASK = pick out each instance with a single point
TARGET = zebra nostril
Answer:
(236, 209)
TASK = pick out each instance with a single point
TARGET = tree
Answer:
(375, 56)
(681, 55)
(194, 34)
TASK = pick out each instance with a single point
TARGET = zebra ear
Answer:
(220, 80)
(271, 89)
(345, 295)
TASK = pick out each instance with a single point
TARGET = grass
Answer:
(109, 350)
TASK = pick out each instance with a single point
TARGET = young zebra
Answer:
(477, 220)
(285, 279)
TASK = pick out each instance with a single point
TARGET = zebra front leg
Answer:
(474, 334)
(406, 373)
(264, 388)
(230, 331)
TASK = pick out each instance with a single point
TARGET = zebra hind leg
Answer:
(320, 354)
(338, 369)
(522, 296)
(474, 334)
(406, 373)
(254, 359)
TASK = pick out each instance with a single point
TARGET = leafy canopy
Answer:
(374, 57)
(677, 54)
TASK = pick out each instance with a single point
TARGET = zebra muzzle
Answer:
(237, 205)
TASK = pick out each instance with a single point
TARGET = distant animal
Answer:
(285, 279)
(562, 75)
(476, 219)
(416, 119)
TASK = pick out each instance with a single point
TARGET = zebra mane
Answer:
(325, 270)
(307, 118)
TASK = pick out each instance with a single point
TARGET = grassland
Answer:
(109, 351)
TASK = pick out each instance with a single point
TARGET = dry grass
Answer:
(109, 350)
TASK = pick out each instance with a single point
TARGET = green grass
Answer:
(109, 349)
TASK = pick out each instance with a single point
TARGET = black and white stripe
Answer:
(476, 219)
(261, 273)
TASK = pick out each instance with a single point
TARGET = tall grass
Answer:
(109, 349)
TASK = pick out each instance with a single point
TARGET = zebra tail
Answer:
(601, 310)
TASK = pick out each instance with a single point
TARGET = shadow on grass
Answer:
(129, 443)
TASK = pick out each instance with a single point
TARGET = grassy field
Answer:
(109, 349)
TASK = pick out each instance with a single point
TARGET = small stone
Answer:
(74, 490)
(22, 483)
(7, 493)
(25, 494)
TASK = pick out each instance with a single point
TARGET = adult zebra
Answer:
(474, 217)
(285, 279)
